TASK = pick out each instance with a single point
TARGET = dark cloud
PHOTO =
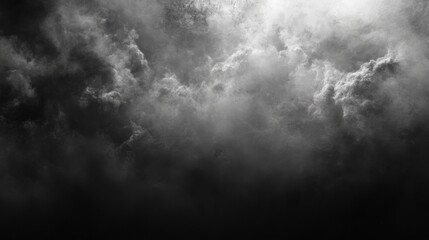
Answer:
(151, 118)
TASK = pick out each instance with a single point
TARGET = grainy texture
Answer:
(143, 118)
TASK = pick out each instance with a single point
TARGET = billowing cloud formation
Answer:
(269, 117)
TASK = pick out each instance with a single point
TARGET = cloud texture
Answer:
(256, 117)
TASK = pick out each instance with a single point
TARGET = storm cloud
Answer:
(274, 118)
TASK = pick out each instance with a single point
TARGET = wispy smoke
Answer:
(268, 117)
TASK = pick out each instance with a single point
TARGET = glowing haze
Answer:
(253, 116)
